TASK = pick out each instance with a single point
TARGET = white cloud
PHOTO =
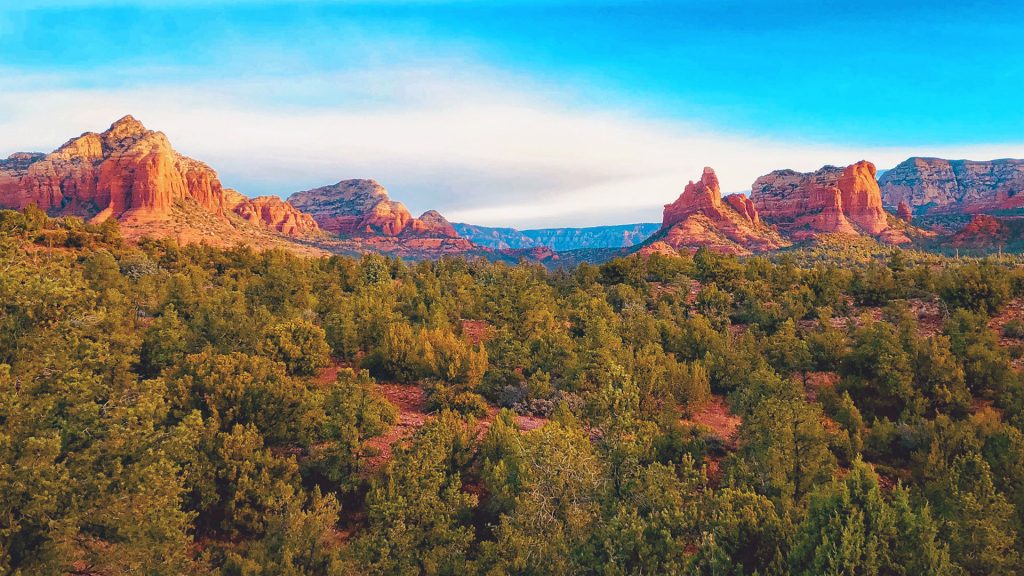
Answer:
(479, 146)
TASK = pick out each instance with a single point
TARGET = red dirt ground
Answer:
(476, 331)
(1014, 310)
(818, 380)
(411, 402)
(715, 415)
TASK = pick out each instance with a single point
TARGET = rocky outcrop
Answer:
(541, 254)
(983, 231)
(659, 248)
(133, 174)
(273, 213)
(935, 185)
(432, 223)
(702, 196)
(700, 217)
(363, 208)
(744, 206)
(831, 200)
(127, 172)
(904, 213)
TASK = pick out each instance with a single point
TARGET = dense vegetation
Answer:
(164, 411)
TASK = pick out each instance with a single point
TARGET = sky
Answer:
(530, 114)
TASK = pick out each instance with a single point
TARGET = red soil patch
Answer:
(1014, 310)
(738, 330)
(528, 423)
(817, 381)
(411, 403)
(694, 289)
(715, 415)
(930, 317)
(476, 331)
(330, 374)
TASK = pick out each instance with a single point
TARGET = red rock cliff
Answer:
(699, 217)
(126, 172)
(273, 213)
(955, 186)
(363, 208)
(829, 201)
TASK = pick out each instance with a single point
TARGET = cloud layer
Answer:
(479, 145)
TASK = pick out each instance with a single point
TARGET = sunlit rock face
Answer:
(363, 208)
(127, 172)
(935, 185)
(701, 217)
(273, 213)
(831, 200)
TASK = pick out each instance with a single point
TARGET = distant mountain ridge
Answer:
(937, 185)
(558, 239)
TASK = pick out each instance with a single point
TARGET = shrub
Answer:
(1014, 329)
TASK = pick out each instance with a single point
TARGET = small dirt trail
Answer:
(411, 403)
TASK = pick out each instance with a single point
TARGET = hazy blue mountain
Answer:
(559, 239)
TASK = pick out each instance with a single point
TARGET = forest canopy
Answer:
(176, 409)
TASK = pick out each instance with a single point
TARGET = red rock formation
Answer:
(862, 200)
(830, 201)
(132, 174)
(432, 223)
(363, 208)
(699, 217)
(983, 231)
(903, 212)
(705, 195)
(536, 254)
(273, 213)
(955, 186)
(127, 172)
(744, 206)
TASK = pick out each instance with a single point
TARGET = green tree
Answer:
(300, 344)
(338, 423)
(851, 528)
(978, 521)
(784, 450)
(418, 514)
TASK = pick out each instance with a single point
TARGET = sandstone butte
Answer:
(935, 185)
(363, 208)
(831, 200)
(134, 175)
(701, 217)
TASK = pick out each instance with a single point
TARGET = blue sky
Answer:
(528, 113)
